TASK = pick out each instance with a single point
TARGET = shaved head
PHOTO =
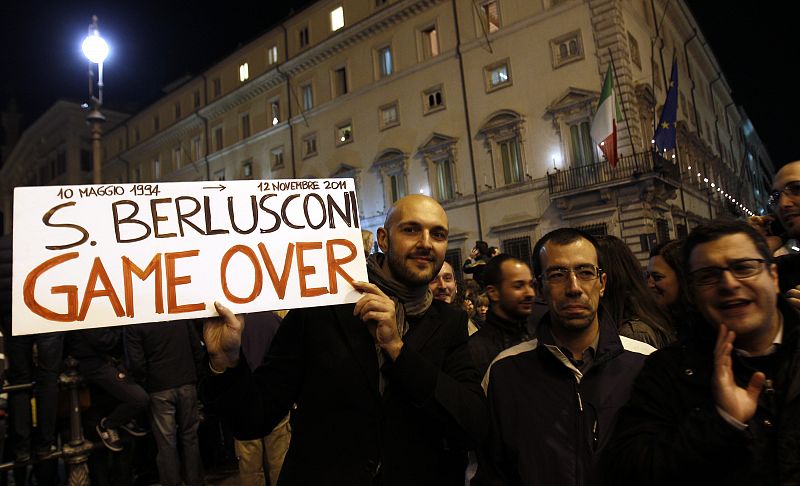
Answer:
(413, 202)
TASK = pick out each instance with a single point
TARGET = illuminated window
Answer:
(196, 150)
(344, 133)
(497, 75)
(244, 72)
(219, 175)
(385, 67)
(491, 16)
(337, 18)
(177, 157)
(217, 85)
(272, 55)
(275, 112)
(247, 169)
(156, 169)
(218, 138)
(430, 43)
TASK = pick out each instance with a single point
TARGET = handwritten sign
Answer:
(106, 255)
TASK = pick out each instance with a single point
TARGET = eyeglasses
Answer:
(740, 269)
(560, 275)
(791, 189)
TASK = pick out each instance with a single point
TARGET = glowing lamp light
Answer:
(689, 168)
(95, 48)
(713, 185)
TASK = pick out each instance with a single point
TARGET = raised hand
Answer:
(223, 337)
(377, 310)
(739, 403)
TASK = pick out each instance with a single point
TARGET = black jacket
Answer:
(671, 433)
(549, 421)
(164, 355)
(344, 432)
(495, 335)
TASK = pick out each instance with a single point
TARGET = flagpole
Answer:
(680, 164)
(624, 109)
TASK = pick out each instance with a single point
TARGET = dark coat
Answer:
(344, 432)
(550, 423)
(495, 335)
(671, 433)
(164, 355)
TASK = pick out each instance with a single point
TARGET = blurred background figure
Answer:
(475, 264)
(443, 286)
(481, 309)
(627, 299)
(367, 239)
(665, 280)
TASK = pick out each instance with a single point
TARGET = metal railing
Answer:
(628, 167)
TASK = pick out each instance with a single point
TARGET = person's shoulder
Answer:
(507, 358)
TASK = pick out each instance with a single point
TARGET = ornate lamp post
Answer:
(95, 49)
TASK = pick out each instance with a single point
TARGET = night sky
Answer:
(155, 43)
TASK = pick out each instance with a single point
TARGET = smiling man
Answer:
(443, 286)
(553, 401)
(730, 394)
(384, 391)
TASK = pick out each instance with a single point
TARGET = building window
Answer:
(219, 175)
(430, 42)
(491, 16)
(138, 173)
(276, 157)
(381, 3)
(385, 66)
(156, 169)
(275, 112)
(512, 162)
(344, 133)
(398, 185)
(445, 180)
(633, 45)
(497, 75)
(681, 231)
(310, 145)
(302, 36)
(244, 72)
(308, 96)
(217, 86)
(136, 135)
(433, 99)
(86, 161)
(581, 147)
(340, 81)
(662, 230)
(247, 169)
(389, 116)
(337, 18)
(218, 138)
(196, 150)
(177, 110)
(566, 49)
(272, 55)
(197, 98)
(503, 138)
(156, 123)
(596, 229)
(244, 122)
(177, 155)
(519, 248)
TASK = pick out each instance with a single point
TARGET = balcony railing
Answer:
(631, 166)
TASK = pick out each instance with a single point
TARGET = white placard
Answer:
(107, 255)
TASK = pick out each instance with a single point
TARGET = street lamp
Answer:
(95, 49)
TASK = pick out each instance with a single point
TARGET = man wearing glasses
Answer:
(722, 408)
(782, 228)
(554, 400)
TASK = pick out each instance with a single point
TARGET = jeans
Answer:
(254, 454)
(131, 397)
(173, 414)
(19, 350)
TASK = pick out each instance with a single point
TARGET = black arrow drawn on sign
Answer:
(220, 187)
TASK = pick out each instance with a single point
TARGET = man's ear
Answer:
(383, 239)
(493, 293)
(603, 279)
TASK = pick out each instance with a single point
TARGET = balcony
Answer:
(629, 168)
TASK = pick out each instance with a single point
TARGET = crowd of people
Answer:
(571, 365)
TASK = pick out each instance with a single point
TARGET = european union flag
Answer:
(665, 132)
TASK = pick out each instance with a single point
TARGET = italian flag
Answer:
(604, 125)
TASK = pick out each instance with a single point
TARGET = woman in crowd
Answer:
(633, 308)
(666, 281)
